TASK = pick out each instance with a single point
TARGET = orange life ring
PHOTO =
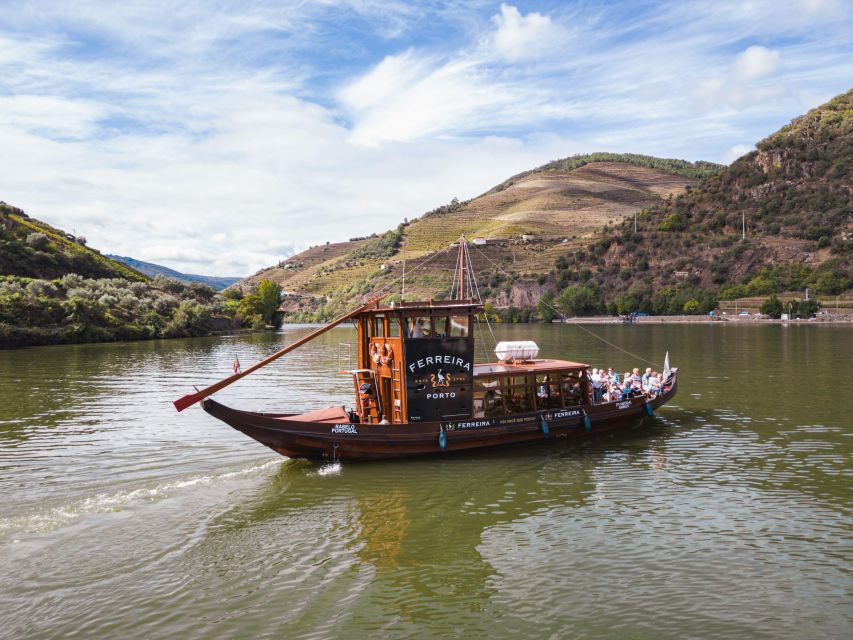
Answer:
(374, 352)
(387, 354)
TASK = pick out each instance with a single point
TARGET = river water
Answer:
(728, 515)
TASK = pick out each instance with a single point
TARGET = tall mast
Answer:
(462, 267)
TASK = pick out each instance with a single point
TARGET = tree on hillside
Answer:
(578, 300)
(545, 307)
(772, 307)
(263, 302)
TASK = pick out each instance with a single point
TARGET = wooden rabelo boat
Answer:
(418, 391)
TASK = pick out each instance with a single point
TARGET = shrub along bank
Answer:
(76, 309)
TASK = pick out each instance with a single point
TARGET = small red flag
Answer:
(236, 365)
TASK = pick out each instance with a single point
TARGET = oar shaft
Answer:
(190, 399)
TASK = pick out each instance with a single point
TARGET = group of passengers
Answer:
(609, 386)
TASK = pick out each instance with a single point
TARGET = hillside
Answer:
(34, 249)
(150, 269)
(54, 289)
(567, 231)
(794, 198)
(527, 221)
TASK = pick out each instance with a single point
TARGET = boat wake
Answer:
(331, 469)
(60, 516)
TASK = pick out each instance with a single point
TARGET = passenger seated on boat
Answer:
(655, 384)
(417, 329)
(636, 380)
(615, 393)
(544, 390)
(597, 387)
(647, 381)
(614, 377)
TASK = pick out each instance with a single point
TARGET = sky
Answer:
(220, 137)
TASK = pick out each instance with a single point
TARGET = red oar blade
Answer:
(187, 401)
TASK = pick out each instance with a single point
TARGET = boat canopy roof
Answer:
(541, 365)
(428, 307)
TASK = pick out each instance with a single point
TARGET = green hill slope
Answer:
(568, 229)
(34, 249)
(526, 225)
(54, 289)
(793, 197)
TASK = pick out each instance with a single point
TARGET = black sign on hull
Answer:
(439, 378)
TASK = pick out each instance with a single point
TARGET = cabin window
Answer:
(440, 326)
(393, 327)
(520, 394)
(378, 327)
(459, 326)
(420, 327)
(572, 388)
(488, 398)
(548, 392)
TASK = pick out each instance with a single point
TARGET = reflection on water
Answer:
(727, 515)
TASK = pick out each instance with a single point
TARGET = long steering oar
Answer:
(191, 399)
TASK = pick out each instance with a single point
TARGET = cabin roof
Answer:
(427, 307)
(540, 365)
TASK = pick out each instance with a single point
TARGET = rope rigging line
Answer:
(553, 308)
(480, 300)
(388, 286)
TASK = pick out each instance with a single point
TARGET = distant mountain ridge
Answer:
(150, 269)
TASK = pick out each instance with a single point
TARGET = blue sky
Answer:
(220, 137)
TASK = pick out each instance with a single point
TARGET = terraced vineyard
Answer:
(527, 223)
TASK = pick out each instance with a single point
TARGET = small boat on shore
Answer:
(418, 391)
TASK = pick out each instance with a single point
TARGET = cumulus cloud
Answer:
(520, 37)
(217, 140)
(756, 62)
(749, 80)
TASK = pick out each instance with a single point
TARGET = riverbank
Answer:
(751, 319)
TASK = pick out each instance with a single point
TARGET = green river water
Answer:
(727, 515)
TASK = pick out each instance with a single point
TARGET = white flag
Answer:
(666, 370)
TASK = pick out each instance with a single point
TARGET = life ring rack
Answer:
(381, 354)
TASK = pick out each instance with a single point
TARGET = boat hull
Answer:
(338, 440)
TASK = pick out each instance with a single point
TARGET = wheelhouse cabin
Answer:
(416, 364)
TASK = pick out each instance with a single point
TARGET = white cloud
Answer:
(53, 116)
(518, 37)
(749, 81)
(736, 152)
(219, 140)
(756, 62)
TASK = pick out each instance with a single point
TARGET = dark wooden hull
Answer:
(344, 441)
